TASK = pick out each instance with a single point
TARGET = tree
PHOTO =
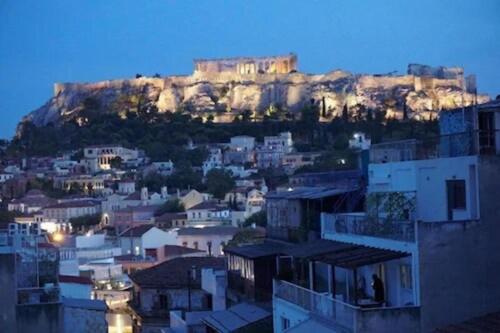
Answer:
(84, 223)
(171, 206)
(219, 182)
(116, 162)
(245, 236)
(260, 219)
(345, 113)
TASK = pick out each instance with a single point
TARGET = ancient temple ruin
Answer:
(248, 65)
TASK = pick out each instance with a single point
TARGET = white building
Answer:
(242, 143)
(136, 240)
(209, 239)
(271, 153)
(208, 213)
(359, 141)
(214, 160)
(98, 158)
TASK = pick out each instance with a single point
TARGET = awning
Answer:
(357, 256)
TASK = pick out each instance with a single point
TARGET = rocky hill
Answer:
(225, 95)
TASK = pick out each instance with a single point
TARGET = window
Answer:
(456, 194)
(405, 276)
(163, 301)
(285, 323)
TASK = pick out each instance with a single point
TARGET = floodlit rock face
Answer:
(224, 94)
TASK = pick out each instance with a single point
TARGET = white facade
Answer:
(75, 290)
(214, 160)
(360, 141)
(428, 178)
(242, 143)
(152, 239)
(282, 142)
(5, 176)
(99, 157)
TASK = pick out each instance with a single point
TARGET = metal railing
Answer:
(338, 312)
(451, 145)
(364, 225)
(33, 296)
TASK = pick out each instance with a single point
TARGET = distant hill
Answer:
(223, 96)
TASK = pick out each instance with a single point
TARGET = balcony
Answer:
(361, 224)
(38, 296)
(343, 316)
(359, 228)
(452, 145)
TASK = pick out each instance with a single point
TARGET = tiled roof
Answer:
(137, 231)
(208, 205)
(134, 196)
(169, 217)
(74, 204)
(175, 250)
(173, 274)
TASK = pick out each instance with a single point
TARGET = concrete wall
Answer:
(177, 299)
(283, 309)
(202, 240)
(155, 238)
(459, 262)
(80, 320)
(389, 320)
(45, 318)
(8, 298)
(428, 178)
(75, 290)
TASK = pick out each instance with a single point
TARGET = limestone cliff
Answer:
(225, 95)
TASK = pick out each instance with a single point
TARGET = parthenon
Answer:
(248, 65)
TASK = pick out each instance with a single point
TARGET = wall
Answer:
(202, 240)
(75, 290)
(80, 320)
(177, 299)
(155, 238)
(8, 283)
(284, 309)
(90, 241)
(389, 320)
(458, 261)
(428, 178)
(45, 318)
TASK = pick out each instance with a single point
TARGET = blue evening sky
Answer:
(42, 42)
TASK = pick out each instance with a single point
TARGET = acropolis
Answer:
(248, 65)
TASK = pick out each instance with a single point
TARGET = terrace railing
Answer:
(364, 225)
(338, 312)
(450, 145)
(34, 296)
